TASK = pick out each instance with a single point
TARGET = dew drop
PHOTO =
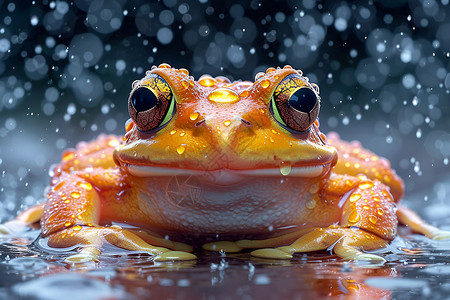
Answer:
(193, 116)
(244, 94)
(185, 84)
(355, 197)
(172, 132)
(354, 217)
(265, 83)
(373, 219)
(85, 185)
(223, 95)
(68, 156)
(310, 204)
(75, 195)
(207, 81)
(285, 168)
(227, 123)
(77, 227)
(184, 71)
(365, 185)
(181, 149)
(380, 211)
(259, 75)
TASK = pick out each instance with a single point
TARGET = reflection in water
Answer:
(28, 272)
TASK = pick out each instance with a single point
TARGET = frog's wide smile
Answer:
(229, 176)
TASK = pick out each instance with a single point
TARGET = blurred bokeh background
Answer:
(383, 68)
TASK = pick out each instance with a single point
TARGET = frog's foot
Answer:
(91, 239)
(12, 227)
(411, 219)
(23, 220)
(347, 243)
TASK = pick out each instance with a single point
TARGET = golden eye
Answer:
(295, 104)
(151, 104)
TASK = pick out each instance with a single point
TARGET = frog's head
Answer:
(224, 129)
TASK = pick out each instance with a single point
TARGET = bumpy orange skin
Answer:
(213, 173)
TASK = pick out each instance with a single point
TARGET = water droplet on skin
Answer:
(59, 185)
(184, 71)
(373, 219)
(75, 195)
(207, 81)
(164, 66)
(270, 70)
(313, 189)
(77, 227)
(172, 132)
(285, 168)
(85, 185)
(310, 204)
(355, 197)
(223, 95)
(185, 84)
(244, 94)
(181, 149)
(354, 217)
(227, 123)
(380, 211)
(68, 156)
(259, 75)
(193, 116)
(265, 83)
(366, 207)
(365, 185)
(135, 84)
(67, 224)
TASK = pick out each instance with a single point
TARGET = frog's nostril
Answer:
(199, 123)
(246, 122)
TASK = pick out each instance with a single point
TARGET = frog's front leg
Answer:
(72, 216)
(368, 222)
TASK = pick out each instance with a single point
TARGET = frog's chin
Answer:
(228, 176)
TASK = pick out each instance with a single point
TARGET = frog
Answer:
(223, 166)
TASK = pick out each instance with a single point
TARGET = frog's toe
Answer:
(271, 253)
(354, 254)
(85, 255)
(441, 235)
(4, 230)
(12, 227)
(174, 256)
(349, 249)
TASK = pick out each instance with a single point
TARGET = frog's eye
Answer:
(151, 105)
(295, 104)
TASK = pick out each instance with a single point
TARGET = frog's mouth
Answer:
(229, 176)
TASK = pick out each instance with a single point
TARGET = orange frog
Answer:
(227, 166)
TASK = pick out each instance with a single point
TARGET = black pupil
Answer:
(143, 99)
(303, 100)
